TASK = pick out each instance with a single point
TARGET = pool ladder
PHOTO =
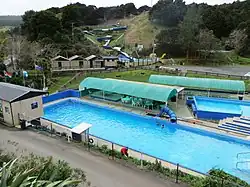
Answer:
(242, 162)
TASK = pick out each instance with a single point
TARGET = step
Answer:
(236, 127)
(242, 122)
(243, 118)
(247, 127)
(234, 130)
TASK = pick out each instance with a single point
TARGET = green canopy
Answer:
(203, 83)
(136, 89)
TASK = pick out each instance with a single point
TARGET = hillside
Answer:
(140, 30)
(10, 20)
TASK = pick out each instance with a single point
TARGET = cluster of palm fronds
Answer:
(11, 177)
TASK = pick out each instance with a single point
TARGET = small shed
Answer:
(77, 61)
(110, 61)
(60, 62)
(19, 103)
(95, 61)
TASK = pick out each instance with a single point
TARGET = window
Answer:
(7, 110)
(34, 105)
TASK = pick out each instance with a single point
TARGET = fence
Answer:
(175, 170)
(219, 74)
(60, 95)
(212, 181)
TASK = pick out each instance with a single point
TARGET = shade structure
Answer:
(202, 83)
(136, 89)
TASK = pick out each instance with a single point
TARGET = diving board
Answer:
(79, 129)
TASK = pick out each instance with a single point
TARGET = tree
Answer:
(208, 42)
(238, 40)
(168, 12)
(3, 44)
(167, 42)
(189, 29)
(2, 68)
(39, 25)
(26, 27)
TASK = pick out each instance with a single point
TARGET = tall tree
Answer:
(189, 29)
(208, 42)
(238, 40)
(40, 25)
(167, 42)
(168, 12)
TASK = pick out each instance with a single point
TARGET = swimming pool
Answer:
(216, 108)
(193, 148)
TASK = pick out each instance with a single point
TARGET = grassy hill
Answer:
(140, 30)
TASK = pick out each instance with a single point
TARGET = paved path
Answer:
(232, 70)
(100, 171)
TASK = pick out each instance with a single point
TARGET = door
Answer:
(91, 64)
(60, 65)
(102, 64)
(81, 64)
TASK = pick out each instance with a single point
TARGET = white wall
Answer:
(7, 112)
(23, 108)
(65, 64)
(111, 63)
(75, 63)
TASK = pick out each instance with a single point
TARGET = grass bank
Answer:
(135, 75)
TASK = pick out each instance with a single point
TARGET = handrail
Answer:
(243, 153)
(241, 162)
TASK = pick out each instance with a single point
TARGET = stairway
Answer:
(239, 125)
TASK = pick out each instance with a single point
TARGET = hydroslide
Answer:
(169, 112)
(112, 29)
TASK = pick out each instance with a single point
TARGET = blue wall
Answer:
(216, 115)
(61, 95)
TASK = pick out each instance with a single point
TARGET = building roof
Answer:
(136, 89)
(60, 58)
(91, 57)
(202, 83)
(12, 92)
(109, 57)
(75, 57)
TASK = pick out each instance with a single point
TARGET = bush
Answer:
(55, 171)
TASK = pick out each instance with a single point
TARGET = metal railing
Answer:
(176, 167)
(241, 162)
(243, 153)
(219, 74)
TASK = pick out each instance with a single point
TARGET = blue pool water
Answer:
(190, 147)
(223, 106)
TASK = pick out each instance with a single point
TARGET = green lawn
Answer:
(58, 82)
(136, 75)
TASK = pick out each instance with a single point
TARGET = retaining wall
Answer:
(61, 95)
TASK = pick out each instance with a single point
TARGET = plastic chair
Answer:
(133, 102)
(148, 103)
